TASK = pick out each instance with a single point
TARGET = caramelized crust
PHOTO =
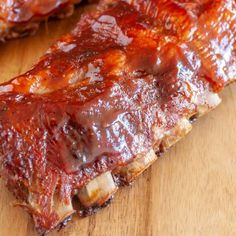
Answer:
(123, 84)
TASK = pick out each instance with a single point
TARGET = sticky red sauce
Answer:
(92, 101)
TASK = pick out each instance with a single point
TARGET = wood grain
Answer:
(189, 191)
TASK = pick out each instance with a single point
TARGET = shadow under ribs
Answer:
(125, 84)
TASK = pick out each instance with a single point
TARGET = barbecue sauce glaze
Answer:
(92, 101)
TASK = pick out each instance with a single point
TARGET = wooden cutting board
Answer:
(189, 191)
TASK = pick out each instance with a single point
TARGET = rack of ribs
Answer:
(106, 99)
(19, 18)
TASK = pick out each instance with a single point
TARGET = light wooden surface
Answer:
(190, 191)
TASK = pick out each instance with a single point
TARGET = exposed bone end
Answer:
(130, 172)
(97, 191)
(206, 102)
(63, 209)
(174, 135)
(212, 101)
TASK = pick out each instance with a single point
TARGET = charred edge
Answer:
(84, 212)
(64, 223)
(121, 181)
(161, 151)
(193, 118)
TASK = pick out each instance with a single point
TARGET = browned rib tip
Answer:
(212, 100)
(62, 208)
(174, 135)
(97, 191)
(131, 171)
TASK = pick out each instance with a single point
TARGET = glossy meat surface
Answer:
(92, 102)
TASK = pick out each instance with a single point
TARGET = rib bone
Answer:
(174, 135)
(97, 191)
(212, 100)
(130, 172)
(142, 162)
(63, 209)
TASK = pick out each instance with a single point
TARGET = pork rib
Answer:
(20, 18)
(125, 84)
